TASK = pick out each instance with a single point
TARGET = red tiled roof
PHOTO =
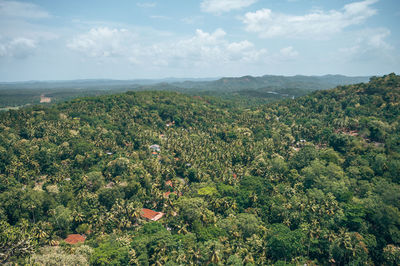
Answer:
(75, 238)
(168, 183)
(151, 215)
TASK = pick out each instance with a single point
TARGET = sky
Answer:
(129, 39)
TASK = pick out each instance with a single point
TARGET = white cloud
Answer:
(199, 48)
(203, 48)
(316, 25)
(289, 52)
(221, 6)
(20, 20)
(103, 42)
(376, 39)
(146, 4)
(21, 29)
(22, 10)
(208, 38)
(212, 49)
(367, 42)
(239, 46)
(19, 48)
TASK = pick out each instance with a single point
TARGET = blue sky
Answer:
(128, 39)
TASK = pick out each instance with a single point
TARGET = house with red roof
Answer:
(151, 215)
(75, 239)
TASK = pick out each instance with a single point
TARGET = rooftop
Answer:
(75, 239)
(155, 147)
(151, 215)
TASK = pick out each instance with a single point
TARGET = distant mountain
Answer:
(213, 84)
(309, 83)
(94, 83)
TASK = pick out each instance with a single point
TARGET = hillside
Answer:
(311, 180)
(18, 94)
(13, 94)
(309, 83)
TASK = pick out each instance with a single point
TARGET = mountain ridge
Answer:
(250, 82)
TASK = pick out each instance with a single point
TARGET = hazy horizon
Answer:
(178, 79)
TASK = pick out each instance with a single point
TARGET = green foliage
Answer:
(108, 196)
(61, 218)
(244, 224)
(207, 191)
(152, 244)
(58, 256)
(194, 209)
(110, 252)
(210, 232)
(313, 179)
(391, 255)
(284, 243)
(15, 241)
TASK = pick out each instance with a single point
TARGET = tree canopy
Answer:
(312, 180)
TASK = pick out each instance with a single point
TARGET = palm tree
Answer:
(133, 260)
(195, 256)
(183, 229)
(182, 258)
(248, 258)
(253, 196)
(78, 217)
(160, 254)
(215, 255)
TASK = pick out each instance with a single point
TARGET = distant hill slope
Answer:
(93, 83)
(309, 83)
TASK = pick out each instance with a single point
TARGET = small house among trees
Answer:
(155, 147)
(75, 239)
(151, 215)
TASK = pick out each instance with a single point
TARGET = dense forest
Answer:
(312, 180)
